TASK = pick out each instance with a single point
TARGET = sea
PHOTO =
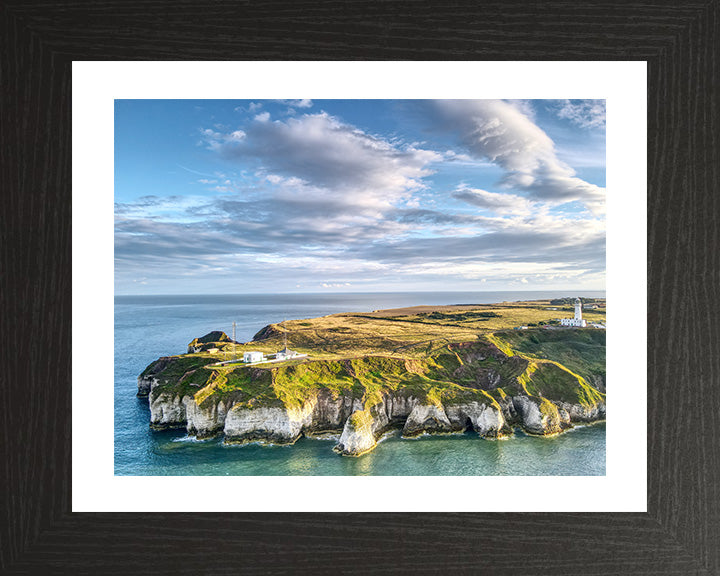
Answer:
(147, 327)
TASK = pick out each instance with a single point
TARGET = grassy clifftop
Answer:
(403, 332)
(443, 356)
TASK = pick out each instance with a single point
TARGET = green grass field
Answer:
(437, 354)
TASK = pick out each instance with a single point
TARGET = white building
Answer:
(249, 357)
(286, 353)
(578, 321)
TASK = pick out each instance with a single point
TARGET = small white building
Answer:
(286, 353)
(249, 357)
(578, 321)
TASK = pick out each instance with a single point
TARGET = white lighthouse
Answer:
(578, 321)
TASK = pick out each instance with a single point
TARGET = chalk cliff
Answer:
(484, 386)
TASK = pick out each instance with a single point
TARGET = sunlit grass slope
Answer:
(441, 354)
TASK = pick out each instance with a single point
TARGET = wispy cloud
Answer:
(583, 113)
(502, 133)
(302, 103)
(217, 140)
(499, 203)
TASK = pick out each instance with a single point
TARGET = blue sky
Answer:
(239, 196)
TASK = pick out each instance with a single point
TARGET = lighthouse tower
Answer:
(578, 321)
(578, 309)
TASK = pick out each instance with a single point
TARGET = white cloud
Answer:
(251, 107)
(303, 103)
(504, 134)
(318, 156)
(584, 113)
(524, 106)
(215, 140)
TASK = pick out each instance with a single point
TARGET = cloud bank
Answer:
(331, 205)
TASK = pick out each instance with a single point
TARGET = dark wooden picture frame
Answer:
(680, 533)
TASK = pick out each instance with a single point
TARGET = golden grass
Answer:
(403, 332)
(399, 348)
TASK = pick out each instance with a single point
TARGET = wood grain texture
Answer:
(681, 532)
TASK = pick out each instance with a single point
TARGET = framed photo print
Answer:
(344, 291)
(360, 288)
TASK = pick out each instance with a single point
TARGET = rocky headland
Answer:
(542, 381)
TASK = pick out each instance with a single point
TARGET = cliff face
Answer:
(361, 427)
(148, 380)
(168, 411)
(463, 387)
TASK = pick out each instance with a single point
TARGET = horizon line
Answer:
(571, 291)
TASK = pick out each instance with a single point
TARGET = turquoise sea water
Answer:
(147, 327)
